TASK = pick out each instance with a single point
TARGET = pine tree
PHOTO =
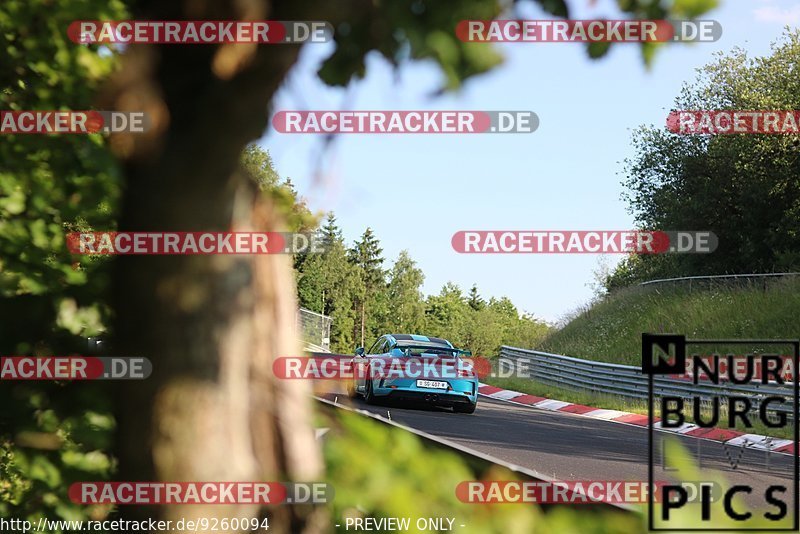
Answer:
(329, 284)
(365, 255)
(475, 301)
(330, 233)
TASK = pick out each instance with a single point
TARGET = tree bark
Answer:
(211, 325)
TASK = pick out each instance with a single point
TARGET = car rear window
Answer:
(440, 350)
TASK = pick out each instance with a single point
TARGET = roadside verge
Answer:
(729, 437)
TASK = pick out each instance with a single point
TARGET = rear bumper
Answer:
(460, 392)
(436, 399)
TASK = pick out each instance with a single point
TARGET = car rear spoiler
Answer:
(460, 352)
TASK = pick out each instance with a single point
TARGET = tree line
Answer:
(742, 187)
(367, 298)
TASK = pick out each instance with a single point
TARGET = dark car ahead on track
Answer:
(414, 368)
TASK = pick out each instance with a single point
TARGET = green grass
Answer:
(611, 329)
(588, 398)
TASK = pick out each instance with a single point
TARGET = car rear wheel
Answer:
(369, 396)
(465, 408)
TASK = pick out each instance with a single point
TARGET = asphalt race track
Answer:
(566, 446)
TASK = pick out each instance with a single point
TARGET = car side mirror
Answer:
(360, 351)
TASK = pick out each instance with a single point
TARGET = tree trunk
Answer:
(211, 325)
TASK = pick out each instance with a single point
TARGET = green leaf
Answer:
(649, 52)
(598, 49)
(94, 462)
(13, 203)
(42, 469)
(692, 8)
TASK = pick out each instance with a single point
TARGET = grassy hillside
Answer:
(611, 330)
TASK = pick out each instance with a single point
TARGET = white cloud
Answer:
(789, 15)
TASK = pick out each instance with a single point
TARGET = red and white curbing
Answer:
(731, 437)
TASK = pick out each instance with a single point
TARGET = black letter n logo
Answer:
(659, 349)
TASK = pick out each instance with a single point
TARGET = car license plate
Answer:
(433, 384)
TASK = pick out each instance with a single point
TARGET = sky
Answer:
(416, 191)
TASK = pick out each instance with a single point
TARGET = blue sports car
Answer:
(409, 367)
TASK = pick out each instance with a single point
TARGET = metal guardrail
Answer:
(314, 330)
(717, 277)
(628, 381)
